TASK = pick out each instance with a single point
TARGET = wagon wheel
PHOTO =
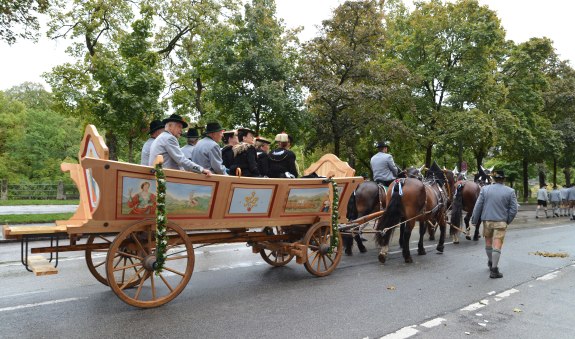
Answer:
(96, 260)
(138, 243)
(318, 239)
(275, 258)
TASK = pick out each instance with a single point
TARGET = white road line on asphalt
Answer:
(22, 294)
(548, 276)
(476, 306)
(507, 293)
(433, 322)
(405, 332)
(428, 246)
(49, 302)
(551, 227)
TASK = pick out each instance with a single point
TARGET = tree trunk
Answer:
(479, 160)
(554, 172)
(198, 97)
(567, 172)
(428, 150)
(112, 143)
(542, 177)
(525, 180)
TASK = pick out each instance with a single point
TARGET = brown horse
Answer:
(405, 204)
(368, 197)
(465, 196)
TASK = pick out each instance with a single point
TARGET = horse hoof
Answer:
(348, 251)
(421, 252)
(440, 249)
(381, 258)
(408, 260)
(456, 242)
(431, 238)
(363, 249)
(475, 238)
(467, 237)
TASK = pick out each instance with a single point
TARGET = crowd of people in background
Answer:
(562, 201)
(219, 151)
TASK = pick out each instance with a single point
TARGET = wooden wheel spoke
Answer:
(153, 285)
(100, 264)
(174, 271)
(133, 279)
(126, 266)
(137, 295)
(139, 244)
(126, 254)
(166, 282)
(324, 262)
(176, 258)
(315, 258)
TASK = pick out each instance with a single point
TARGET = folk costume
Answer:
(282, 161)
(245, 158)
(145, 156)
(188, 149)
(383, 166)
(263, 158)
(208, 153)
(167, 146)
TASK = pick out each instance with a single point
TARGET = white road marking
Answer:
(405, 332)
(433, 322)
(50, 302)
(22, 294)
(491, 293)
(507, 293)
(548, 276)
(476, 306)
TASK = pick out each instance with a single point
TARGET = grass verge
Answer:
(37, 202)
(12, 219)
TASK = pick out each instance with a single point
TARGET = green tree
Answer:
(345, 80)
(528, 132)
(451, 50)
(18, 18)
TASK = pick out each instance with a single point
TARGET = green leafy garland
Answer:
(161, 220)
(334, 216)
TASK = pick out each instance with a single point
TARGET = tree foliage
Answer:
(18, 18)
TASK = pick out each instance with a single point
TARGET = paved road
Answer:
(37, 209)
(234, 294)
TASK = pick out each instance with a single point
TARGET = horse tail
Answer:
(392, 216)
(352, 213)
(457, 207)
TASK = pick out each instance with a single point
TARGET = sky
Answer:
(522, 20)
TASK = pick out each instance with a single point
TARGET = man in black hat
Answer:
(156, 128)
(166, 145)
(192, 137)
(207, 152)
(383, 166)
(497, 207)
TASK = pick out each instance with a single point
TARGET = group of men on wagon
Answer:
(243, 153)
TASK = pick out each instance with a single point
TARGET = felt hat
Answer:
(382, 144)
(176, 118)
(212, 127)
(155, 125)
(263, 140)
(232, 132)
(282, 137)
(192, 133)
(499, 174)
(245, 131)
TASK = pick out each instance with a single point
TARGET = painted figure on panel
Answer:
(143, 202)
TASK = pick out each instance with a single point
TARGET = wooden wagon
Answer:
(279, 218)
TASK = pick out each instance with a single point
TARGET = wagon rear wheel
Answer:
(138, 243)
(320, 261)
(96, 260)
(275, 257)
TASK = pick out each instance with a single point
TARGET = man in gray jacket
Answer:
(571, 199)
(497, 207)
(166, 145)
(383, 166)
(156, 128)
(555, 199)
(207, 152)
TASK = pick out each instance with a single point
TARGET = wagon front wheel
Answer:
(320, 260)
(138, 243)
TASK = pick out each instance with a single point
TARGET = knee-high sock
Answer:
(495, 257)
(489, 250)
(537, 211)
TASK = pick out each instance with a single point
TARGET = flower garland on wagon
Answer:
(334, 216)
(161, 219)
